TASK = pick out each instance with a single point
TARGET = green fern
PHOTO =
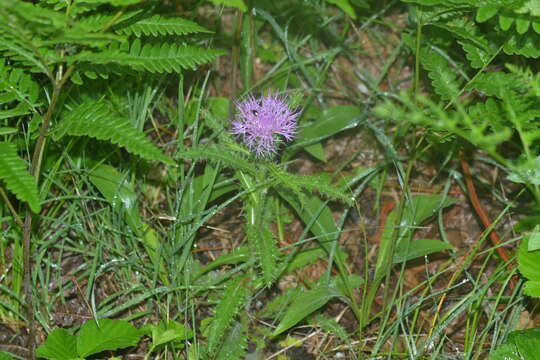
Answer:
(14, 173)
(158, 25)
(16, 86)
(156, 58)
(522, 13)
(441, 72)
(95, 120)
(234, 297)
(482, 125)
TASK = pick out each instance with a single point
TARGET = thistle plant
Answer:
(264, 122)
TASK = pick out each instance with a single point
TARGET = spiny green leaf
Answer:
(96, 120)
(14, 173)
(234, 296)
(306, 303)
(263, 246)
(235, 342)
(219, 153)
(312, 183)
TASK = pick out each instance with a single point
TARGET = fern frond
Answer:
(158, 25)
(523, 13)
(14, 173)
(17, 85)
(14, 44)
(96, 120)
(155, 58)
(527, 45)
(481, 126)
(475, 45)
(440, 71)
(494, 84)
(235, 295)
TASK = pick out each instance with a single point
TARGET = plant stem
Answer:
(35, 168)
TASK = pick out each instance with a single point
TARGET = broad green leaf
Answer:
(108, 335)
(59, 345)
(330, 122)
(345, 6)
(167, 331)
(534, 239)
(486, 12)
(529, 267)
(418, 248)
(307, 302)
(316, 150)
(304, 257)
(520, 345)
(424, 206)
(239, 4)
(14, 173)
(239, 255)
(114, 186)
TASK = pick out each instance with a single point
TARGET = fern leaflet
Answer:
(155, 58)
(158, 25)
(14, 173)
(95, 120)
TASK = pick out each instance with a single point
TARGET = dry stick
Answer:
(473, 196)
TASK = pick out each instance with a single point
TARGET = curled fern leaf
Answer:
(158, 25)
(14, 173)
(96, 120)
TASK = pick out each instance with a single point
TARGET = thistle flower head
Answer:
(264, 122)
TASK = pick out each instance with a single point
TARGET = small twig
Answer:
(473, 196)
(11, 208)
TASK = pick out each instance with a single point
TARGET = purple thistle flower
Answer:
(263, 122)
